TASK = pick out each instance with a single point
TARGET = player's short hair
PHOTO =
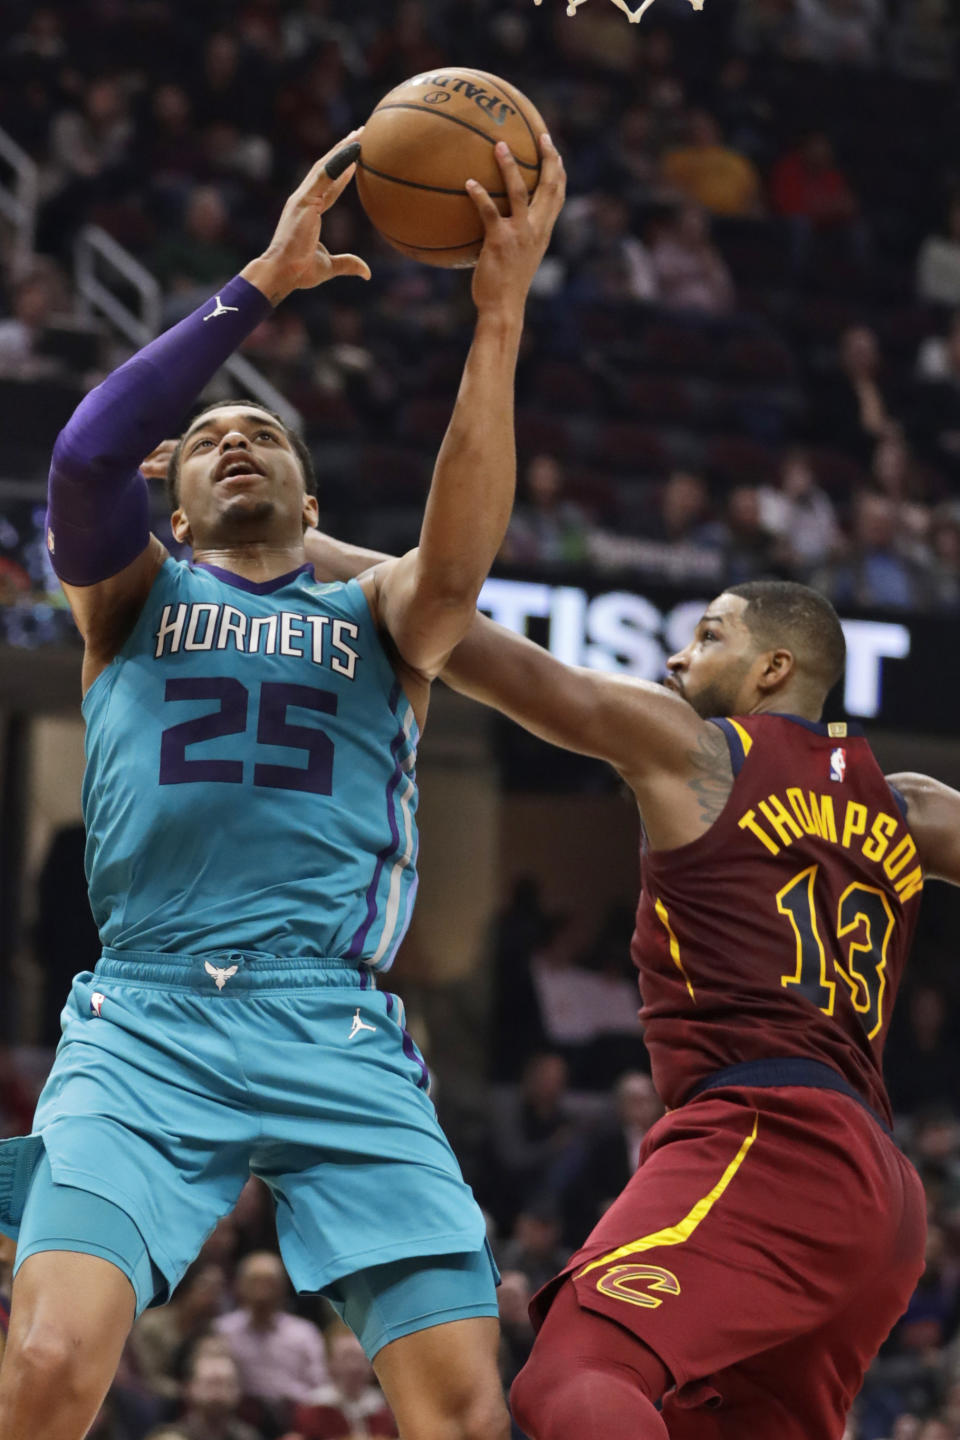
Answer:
(298, 445)
(783, 612)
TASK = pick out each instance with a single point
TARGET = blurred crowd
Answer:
(743, 356)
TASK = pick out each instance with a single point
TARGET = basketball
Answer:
(424, 140)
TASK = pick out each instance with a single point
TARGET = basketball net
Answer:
(632, 15)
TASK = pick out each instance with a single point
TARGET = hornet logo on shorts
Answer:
(838, 764)
(96, 1002)
(220, 976)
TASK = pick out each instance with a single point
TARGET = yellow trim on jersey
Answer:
(746, 739)
(664, 919)
(677, 1234)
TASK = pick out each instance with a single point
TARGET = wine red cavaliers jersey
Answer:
(783, 931)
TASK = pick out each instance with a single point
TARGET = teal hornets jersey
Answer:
(250, 780)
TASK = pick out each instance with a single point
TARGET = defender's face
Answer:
(712, 672)
(240, 480)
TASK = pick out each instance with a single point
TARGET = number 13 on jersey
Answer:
(864, 925)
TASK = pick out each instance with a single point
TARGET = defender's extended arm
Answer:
(933, 815)
(634, 725)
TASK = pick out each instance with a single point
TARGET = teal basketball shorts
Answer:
(178, 1077)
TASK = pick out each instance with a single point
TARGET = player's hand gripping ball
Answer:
(421, 145)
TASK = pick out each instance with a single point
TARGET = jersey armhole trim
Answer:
(739, 741)
(901, 800)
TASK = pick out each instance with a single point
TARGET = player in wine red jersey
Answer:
(773, 1233)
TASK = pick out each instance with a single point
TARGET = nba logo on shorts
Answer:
(838, 763)
(96, 1002)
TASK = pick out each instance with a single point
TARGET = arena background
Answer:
(741, 359)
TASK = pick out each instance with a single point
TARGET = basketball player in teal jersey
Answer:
(250, 800)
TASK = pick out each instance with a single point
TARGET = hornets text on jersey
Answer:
(250, 780)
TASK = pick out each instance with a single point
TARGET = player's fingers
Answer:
(512, 179)
(344, 158)
(349, 265)
(551, 190)
(319, 180)
(486, 209)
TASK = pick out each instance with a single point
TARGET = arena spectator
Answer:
(801, 515)
(816, 200)
(608, 261)
(689, 271)
(608, 1156)
(281, 1357)
(938, 263)
(945, 548)
(232, 85)
(935, 415)
(349, 368)
(38, 298)
(898, 475)
(407, 47)
(807, 183)
(680, 515)
(856, 407)
(199, 256)
(162, 1337)
(546, 528)
(350, 1406)
(710, 173)
(743, 111)
(535, 1245)
(212, 1398)
(632, 159)
(750, 551)
(924, 1064)
(922, 40)
(89, 142)
(842, 32)
(532, 1125)
(168, 147)
(876, 573)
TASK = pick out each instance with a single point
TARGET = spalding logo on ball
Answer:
(421, 145)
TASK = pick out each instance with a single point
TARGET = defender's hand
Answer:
(295, 259)
(515, 244)
(155, 465)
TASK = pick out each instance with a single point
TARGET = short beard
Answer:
(233, 526)
(720, 696)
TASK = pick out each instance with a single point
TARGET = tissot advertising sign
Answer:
(902, 673)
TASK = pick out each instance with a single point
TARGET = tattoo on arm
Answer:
(712, 778)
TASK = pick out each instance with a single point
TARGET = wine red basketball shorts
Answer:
(764, 1249)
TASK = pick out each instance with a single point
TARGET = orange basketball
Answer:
(424, 141)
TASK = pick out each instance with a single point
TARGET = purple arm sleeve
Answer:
(98, 510)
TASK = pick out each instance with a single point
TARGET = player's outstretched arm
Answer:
(426, 599)
(638, 727)
(933, 815)
(634, 725)
(98, 521)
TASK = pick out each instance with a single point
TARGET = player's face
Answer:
(713, 673)
(240, 482)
